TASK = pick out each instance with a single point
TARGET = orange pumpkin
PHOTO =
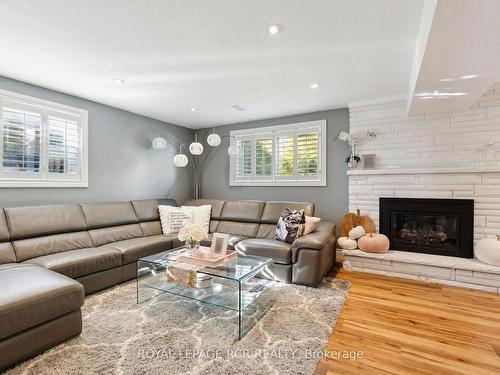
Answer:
(374, 243)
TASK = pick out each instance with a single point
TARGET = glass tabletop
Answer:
(238, 269)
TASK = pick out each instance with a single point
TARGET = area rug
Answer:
(173, 335)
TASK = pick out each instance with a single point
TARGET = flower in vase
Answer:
(191, 232)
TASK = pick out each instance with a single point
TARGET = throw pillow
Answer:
(173, 218)
(201, 215)
(312, 223)
(290, 225)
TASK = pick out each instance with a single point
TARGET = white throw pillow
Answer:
(200, 215)
(173, 218)
(312, 223)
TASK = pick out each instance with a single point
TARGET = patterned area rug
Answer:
(172, 335)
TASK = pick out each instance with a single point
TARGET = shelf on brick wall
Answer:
(361, 172)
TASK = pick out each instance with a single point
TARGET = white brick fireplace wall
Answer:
(454, 155)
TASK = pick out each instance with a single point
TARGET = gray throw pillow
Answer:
(290, 225)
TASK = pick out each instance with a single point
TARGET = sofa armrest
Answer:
(315, 240)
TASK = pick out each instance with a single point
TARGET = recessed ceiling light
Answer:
(314, 85)
(470, 76)
(437, 94)
(446, 80)
(118, 81)
(193, 109)
(274, 29)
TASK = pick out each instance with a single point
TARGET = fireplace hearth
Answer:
(432, 226)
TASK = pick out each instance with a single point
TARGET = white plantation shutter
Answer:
(244, 159)
(41, 143)
(281, 155)
(21, 140)
(63, 146)
(308, 154)
(263, 157)
(285, 155)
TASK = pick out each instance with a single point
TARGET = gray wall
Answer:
(331, 201)
(122, 164)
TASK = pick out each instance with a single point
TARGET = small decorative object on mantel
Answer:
(374, 243)
(368, 161)
(487, 251)
(192, 235)
(354, 139)
(352, 220)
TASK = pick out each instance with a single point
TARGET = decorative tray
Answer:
(202, 257)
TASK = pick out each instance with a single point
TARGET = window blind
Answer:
(292, 154)
(64, 146)
(21, 141)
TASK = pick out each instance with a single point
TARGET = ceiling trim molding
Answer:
(389, 99)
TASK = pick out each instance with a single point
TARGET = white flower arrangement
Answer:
(353, 140)
(191, 233)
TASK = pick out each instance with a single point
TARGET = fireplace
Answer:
(432, 226)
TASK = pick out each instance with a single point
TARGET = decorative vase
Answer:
(353, 160)
(192, 246)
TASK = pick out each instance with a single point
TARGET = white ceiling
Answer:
(459, 55)
(178, 54)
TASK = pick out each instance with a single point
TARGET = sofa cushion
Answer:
(147, 209)
(280, 252)
(25, 222)
(266, 231)
(104, 236)
(7, 254)
(244, 211)
(100, 215)
(140, 247)
(81, 262)
(4, 229)
(273, 210)
(238, 228)
(32, 295)
(55, 243)
(151, 228)
(216, 204)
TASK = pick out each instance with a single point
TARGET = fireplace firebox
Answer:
(432, 226)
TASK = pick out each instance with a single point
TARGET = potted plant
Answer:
(354, 139)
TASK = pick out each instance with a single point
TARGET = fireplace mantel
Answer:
(387, 171)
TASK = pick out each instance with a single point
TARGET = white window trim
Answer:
(50, 181)
(280, 181)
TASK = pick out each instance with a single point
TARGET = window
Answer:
(285, 155)
(42, 144)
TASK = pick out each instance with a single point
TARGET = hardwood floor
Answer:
(409, 327)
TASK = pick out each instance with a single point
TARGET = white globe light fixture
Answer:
(233, 150)
(180, 160)
(159, 143)
(196, 148)
(214, 140)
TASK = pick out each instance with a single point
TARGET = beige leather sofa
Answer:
(51, 256)
(252, 226)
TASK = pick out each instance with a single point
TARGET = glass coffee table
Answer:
(233, 286)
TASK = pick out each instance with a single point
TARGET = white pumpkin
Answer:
(488, 251)
(347, 243)
(357, 232)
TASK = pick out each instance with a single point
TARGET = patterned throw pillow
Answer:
(290, 225)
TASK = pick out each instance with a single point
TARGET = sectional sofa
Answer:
(51, 256)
